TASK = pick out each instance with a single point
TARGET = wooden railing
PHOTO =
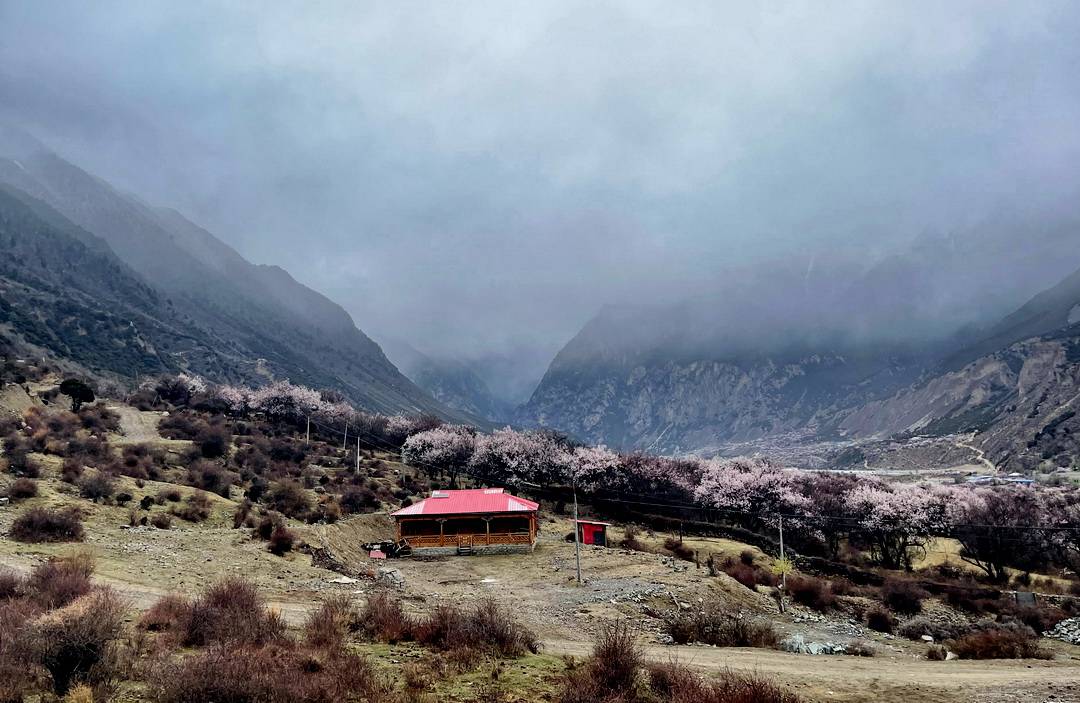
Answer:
(477, 540)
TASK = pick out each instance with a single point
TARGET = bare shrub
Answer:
(487, 627)
(272, 674)
(289, 498)
(282, 540)
(47, 525)
(196, 508)
(231, 611)
(72, 469)
(903, 596)
(211, 477)
(11, 584)
(358, 499)
(327, 626)
(881, 620)
(213, 441)
(715, 627)
(99, 419)
(812, 592)
(60, 580)
(612, 673)
(240, 515)
(384, 620)
(1038, 618)
(97, 486)
(71, 642)
(999, 643)
(167, 614)
(22, 489)
(19, 674)
(676, 683)
(748, 574)
(169, 494)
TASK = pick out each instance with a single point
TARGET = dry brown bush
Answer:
(22, 489)
(272, 674)
(384, 620)
(677, 684)
(60, 580)
(812, 592)
(196, 508)
(487, 627)
(999, 643)
(231, 610)
(715, 627)
(47, 525)
(71, 643)
(328, 625)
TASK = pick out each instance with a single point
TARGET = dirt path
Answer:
(980, 455)
(136, 426)
(880, 679)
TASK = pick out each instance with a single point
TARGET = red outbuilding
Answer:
(593, 532)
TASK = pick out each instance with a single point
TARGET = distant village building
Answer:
(593, 532)
(481, 520)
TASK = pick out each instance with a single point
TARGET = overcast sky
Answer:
(479, 175)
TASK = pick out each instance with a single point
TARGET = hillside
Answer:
(454, 383)
(254, 320)
(620, 383)
(63, 290)
(759, 370)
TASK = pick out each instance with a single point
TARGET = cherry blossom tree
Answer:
(447, 448)
(1001, 526)
(509, 457)
(751, 489)
(593, 468)
(282, 400)
(895, 521)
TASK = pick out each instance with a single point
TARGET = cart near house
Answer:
(475, 521)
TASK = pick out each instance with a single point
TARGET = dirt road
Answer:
(880, 679)
(136, 426)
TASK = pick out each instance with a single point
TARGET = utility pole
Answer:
(577, 534)
(307, 437)
(345, 441)
(783, 560)
(358, 454)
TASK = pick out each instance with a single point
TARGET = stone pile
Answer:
(1066, 631)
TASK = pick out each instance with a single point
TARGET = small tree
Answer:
(78, 391)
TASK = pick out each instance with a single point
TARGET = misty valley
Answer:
(560, 353)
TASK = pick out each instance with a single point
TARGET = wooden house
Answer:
(480, 520)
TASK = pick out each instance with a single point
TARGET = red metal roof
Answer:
(474, 500)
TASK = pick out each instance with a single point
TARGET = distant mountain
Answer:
(454, 383)
(62, 290)
(255, 321)
(1017, 388)
(814, 353)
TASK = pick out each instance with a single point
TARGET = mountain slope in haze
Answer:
(273, 325)
(1018, 388)
(453, 383)
(798, 353)
(63, 290)
(620, 384)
